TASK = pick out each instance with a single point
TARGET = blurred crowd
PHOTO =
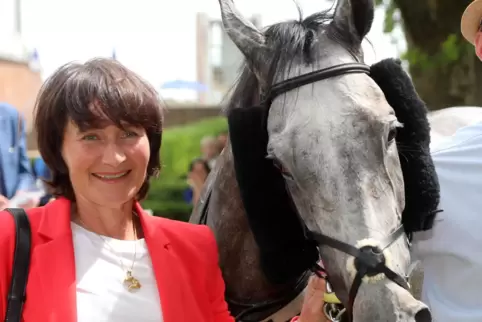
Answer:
(21, 179)
(199, 168)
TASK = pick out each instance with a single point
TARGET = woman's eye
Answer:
(130, 134)
(392, 135)
(282, 169)
(90, 137)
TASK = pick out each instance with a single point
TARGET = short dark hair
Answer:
(120, 96)
(201, 161)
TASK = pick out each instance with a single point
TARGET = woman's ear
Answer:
(478, 44)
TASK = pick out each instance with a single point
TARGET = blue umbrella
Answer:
(34, 61)
(34, 57)
(182, 84)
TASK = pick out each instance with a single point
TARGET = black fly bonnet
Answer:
(287, 248)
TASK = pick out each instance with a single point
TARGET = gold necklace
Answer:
(130, 282)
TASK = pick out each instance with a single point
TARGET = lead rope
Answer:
(333, 308)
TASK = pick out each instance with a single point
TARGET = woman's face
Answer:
(199, 169)
(106, 166)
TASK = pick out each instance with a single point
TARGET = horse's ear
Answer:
(249, 40)
(354, 18)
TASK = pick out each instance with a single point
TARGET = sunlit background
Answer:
(164, 41)
(179, 46)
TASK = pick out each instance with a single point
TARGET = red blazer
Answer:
(184, 257)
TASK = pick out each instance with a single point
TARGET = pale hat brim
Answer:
(470, 22)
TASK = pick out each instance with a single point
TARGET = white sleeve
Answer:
(451, 253)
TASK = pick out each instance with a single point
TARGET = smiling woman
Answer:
(96, 255)
(99, 131)
(94, 112)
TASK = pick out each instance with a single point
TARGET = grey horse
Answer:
(334, 141)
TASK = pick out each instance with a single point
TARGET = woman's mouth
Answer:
(111, 176)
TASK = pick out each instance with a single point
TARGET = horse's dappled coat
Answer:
(285, 245)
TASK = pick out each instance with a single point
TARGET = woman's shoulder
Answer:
(8, 233)
(176, 228)
(7, 223)
(187, 235)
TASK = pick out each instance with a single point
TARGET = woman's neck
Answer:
(119, 223)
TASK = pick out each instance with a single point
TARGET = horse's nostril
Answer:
(423, 316)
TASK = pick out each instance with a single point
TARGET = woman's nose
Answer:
(113, 155)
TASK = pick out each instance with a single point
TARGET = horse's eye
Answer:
(392, 135)
(282, 169)
(280, 166)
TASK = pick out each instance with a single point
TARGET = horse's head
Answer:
(333, 136)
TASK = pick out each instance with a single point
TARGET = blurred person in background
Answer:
(42, 175)
(222, 141)
(197, 174)
(15, 171)
(209, 150)
(451, 253)
(97, 255)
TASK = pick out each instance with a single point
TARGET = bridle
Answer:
(369, 260)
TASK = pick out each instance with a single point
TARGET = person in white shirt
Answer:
(451, 253)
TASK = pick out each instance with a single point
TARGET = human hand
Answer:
(195, 181)
(29, 203)
(23, 200)
(312, 310)
(3, 202)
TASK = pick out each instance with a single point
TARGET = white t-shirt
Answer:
(451, 253)
(101, 294)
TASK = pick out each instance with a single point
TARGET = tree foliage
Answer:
(443, 65)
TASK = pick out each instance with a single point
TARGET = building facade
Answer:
(19, 82)
(218, 60)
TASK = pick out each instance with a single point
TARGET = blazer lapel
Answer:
(54, 263)
(166, 268)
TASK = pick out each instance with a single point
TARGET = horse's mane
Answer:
(285, 253)
(289, 41)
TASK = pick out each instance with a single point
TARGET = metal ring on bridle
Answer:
(333, 312)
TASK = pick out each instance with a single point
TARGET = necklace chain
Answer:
(131, 282)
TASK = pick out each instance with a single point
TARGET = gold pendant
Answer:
(131, 282)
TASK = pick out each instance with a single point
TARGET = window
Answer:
(217, 74)
(216, 44)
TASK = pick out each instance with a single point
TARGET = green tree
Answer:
(443, 66)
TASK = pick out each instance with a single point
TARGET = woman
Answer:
(198, 172)
(96, 256)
